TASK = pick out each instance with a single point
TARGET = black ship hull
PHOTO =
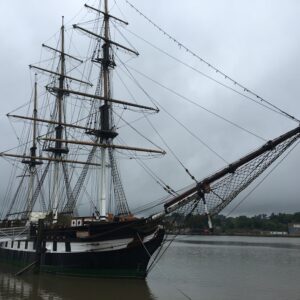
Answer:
(118, 256)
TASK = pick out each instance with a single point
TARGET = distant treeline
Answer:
(222, 224)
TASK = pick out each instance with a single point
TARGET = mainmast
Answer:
(59, 149)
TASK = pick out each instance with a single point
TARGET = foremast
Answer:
(105, 110)
(105, 131)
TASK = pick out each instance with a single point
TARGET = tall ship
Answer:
(69, 154)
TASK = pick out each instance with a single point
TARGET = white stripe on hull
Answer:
(90, 246)
(75, 247)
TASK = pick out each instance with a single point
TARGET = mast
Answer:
(105, 112)
(60, 94)
(31, 160)
(58, 149)
(104, 131)
(33, 148)
(32, 168)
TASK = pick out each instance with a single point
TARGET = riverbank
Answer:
(187, 231)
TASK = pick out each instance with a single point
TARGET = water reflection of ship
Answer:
(43, 286)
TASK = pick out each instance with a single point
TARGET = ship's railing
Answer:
(12, 233)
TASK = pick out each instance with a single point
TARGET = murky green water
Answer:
(201, 268)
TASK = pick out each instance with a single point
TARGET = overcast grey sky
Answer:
(256, 42)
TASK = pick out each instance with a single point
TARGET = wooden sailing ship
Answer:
(42, 226)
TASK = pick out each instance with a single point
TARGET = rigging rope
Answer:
(197, 104)
(166, 188)
(150, 123)
(222, 191)
(180, 45)
(205, 75)
(151, 173)
(262, 180)
(137, 131)
(147, 252)
(192, 133)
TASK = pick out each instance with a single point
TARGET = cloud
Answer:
(255, 42)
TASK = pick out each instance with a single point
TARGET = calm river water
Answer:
(194, 267)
